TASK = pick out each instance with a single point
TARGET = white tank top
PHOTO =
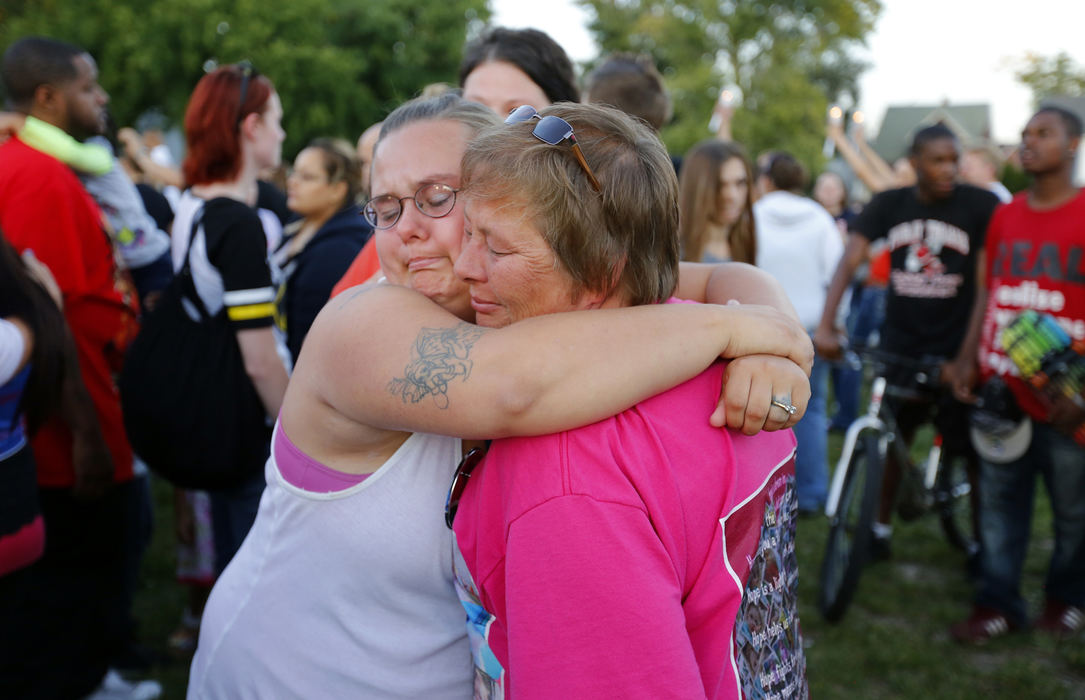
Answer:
(346, 594)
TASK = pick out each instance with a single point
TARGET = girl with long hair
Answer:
(716, 203)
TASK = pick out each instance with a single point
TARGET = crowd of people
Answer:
(540, 402)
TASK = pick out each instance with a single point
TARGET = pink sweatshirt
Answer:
(648, 555)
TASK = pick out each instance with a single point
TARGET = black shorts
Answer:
(18, 492)
(950, 418)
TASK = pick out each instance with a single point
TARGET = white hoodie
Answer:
(799, 244)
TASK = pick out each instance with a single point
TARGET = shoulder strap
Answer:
(185, 273)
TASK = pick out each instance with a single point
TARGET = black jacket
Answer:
(309, 276)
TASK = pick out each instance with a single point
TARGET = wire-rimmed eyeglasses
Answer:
(433, 199)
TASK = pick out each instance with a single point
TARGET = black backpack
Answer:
(190, 410)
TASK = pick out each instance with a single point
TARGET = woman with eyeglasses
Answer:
(344, 588)
(323, 189)
(502, 69)
(233, 130)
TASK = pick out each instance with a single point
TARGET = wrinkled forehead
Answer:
(417, 154)
(513, 214)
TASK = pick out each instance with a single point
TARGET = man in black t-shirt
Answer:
(934, 231)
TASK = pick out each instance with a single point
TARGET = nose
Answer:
(468, 266)
(412, 224)
(103, 96)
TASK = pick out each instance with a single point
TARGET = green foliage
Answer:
(1051, 76)
(1014, 178)
(789, 59)
(338, 65)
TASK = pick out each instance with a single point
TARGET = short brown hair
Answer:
(784, 171)
(622, 237)
(631, 83)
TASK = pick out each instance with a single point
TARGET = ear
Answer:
(48, 101)
(341, 190)
(590, 300)
(603, 298)
(249, 124)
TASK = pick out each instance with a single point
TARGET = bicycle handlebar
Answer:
(924, 371)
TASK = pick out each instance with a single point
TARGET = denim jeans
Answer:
(1007, 492)
(811, 433)
(864, 319)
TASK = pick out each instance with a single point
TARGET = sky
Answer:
(921, 51)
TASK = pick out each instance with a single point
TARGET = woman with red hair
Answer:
(233, 130)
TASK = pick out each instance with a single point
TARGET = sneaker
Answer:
(880, 549)
(1060, 620)
(984, 624)
(114, 687)
(182, 641)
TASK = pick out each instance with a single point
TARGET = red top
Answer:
(1035, 260)
(879, 269)
(44, 207)
(364, 266)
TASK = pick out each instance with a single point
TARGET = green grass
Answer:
(893, 642)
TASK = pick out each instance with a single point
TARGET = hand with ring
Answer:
(783, 403)
(762, 392)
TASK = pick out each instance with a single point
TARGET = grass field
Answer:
(893, 642)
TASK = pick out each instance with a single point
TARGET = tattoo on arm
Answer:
(439, 356)
(350, 295)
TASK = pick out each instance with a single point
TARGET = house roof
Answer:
(971, 123)
(1074, 104)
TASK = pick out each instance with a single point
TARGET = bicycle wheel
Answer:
(849, 530)
(953, 503)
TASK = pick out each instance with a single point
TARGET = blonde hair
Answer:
(698, 201)
(622, 237)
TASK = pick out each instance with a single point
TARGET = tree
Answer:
(1055, 76)
(338, 65)
(789, 59)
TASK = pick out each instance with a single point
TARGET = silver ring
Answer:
(790, 408)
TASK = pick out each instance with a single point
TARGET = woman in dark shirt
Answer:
(323, 190)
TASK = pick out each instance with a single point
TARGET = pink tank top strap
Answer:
(304, 472)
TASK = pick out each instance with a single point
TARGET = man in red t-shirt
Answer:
(84, 462)
(1035, 255)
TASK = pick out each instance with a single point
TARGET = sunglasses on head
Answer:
(247, 73)
(554, 131)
